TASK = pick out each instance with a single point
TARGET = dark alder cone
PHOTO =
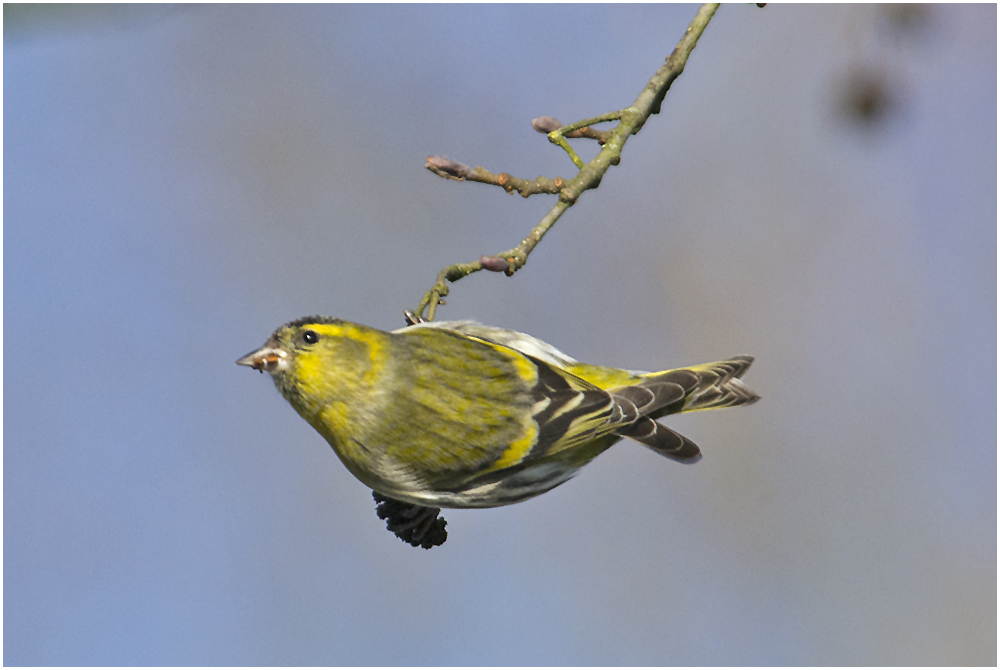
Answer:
(413, 524)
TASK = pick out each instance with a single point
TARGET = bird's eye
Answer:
(310, 337)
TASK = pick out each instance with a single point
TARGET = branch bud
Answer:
(546, 124)
(494, 264)
(445, 167)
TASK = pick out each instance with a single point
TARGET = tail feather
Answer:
(651, 395)
(662, 440)
(716, 385)
(700, 387)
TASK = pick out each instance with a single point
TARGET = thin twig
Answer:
(630, 122)
(547, 124)
(449, 169)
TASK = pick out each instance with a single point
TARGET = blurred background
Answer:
(818, 191)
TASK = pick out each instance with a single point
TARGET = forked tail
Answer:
(709, 386)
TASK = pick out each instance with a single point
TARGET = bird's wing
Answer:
(488, 407)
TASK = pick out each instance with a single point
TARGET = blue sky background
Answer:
(179, 181)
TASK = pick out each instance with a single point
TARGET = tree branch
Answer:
(630, 121)
(449, 169)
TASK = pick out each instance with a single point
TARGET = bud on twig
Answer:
(494, 264)
(447, 168)
(546, 124)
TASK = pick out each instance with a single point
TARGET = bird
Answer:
(458, 414)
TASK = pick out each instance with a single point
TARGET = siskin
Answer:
(458, 414)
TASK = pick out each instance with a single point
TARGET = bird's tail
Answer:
(712, 385)
(708, 386)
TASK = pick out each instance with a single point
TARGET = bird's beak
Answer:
(267, 358)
